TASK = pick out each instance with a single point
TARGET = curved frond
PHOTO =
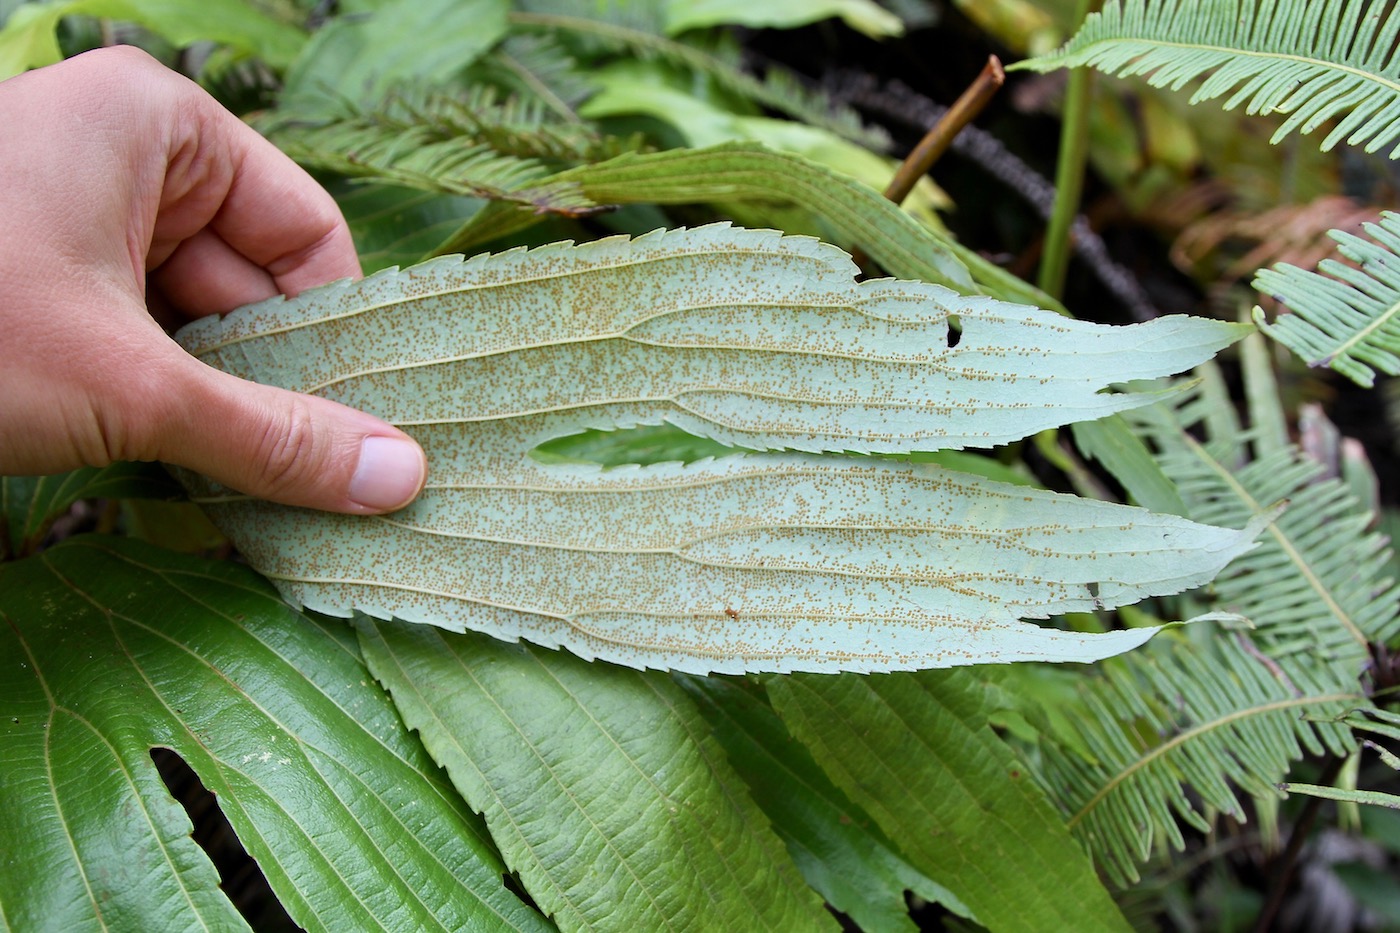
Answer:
(1343, 316)
(1215, 719)
(470, 143)
(1317, 587)
(1315, 61)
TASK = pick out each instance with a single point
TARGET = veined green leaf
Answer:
(1315, 61)
(600, 785)
(916, 751)
(839, 848)
(111, 648)
(1344, 317)
(778, 561)
(855, 213)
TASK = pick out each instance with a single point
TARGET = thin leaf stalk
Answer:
(1069, 173)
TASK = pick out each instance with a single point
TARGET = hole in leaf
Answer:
(240, 877)
(954, 331)
(643, 444)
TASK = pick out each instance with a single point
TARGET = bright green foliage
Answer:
(757, 562)
(1344, 316)
(1315, 61)
(917, 753)
(1220, 718)
(600, 785)
(1317, 586)
(111, 648)
(840, 850)
(1154, 726)
(28, 38)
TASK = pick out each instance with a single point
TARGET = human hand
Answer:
(120, 174)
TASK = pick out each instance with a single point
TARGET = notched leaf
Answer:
(766, 561)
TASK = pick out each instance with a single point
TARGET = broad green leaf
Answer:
(916, 751)
(766, 562)
(111, 648)
(855, 212)
(1112, 442)
(27, 40)
(601, 785)
(1346, 315)
(361, 56)
(398, 226)
(863, 15)
(29, 504)
(1322, 63)
(646, 88)
(840, 850)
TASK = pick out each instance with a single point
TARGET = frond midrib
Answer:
(1319, 63)
(1201, 729)
(1284, 542)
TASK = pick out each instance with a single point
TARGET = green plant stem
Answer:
(1069, 172)
(940, 136)
(1288, 860)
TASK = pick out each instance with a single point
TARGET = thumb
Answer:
(290, 448)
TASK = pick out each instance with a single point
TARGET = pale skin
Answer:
(131, 200)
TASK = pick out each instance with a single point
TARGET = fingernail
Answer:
(389, 474)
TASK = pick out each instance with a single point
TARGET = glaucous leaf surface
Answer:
(783, 561)
(601, 785)
(112, 647)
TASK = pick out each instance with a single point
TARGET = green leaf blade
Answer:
(600, 785)
(116, 647)
(917, 753)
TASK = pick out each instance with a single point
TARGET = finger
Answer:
(290, 448)
(206, 276)
(255, 198)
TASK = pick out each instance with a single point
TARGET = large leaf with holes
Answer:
(764, 561)
(110, 648)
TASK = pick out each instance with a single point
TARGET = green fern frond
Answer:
(471, 143)
(538, 66)
(414, 159)
(1314, 60)
(1214, 719)
(779, 90)
(1316, 587)
(1344, 317)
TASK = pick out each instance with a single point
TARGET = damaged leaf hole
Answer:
(240, 878)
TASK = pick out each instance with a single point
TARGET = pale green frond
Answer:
(1343, 316)
(779, 561)
(1179, 733)
(1317, 588)
(1315, 60)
